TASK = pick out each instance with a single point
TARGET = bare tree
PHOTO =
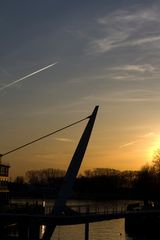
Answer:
(44, 176)
(156, 161)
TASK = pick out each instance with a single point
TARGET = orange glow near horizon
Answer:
(117, 148)
(155, 145)
(113, 151)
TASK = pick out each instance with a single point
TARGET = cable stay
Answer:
(44, 136)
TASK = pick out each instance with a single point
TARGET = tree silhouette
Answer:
(156, 161)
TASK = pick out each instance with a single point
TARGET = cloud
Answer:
(129, 28)
(145, 40)
(109, 43)
(128, 144)
(131, 16)
(135, 68)
(133, 72)
(125, 77)
(141, 138)
(126, 72)
(46, 156)
(64, 139)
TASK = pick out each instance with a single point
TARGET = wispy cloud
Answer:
(141, 138)
(128, 144)
(133, 72)
(135, 68)
(112, 42)
(145, 40)
(108, 43)
(127, 72)
(46, 156)
(64, 139)
(131, 16)
(126, 29)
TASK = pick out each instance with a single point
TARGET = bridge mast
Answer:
(70, 177)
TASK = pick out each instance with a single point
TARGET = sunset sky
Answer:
(105, 53)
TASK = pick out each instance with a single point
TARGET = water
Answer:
(113, 230)
(110, 230)
(105, 230)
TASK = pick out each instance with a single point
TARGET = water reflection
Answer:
(113, 230)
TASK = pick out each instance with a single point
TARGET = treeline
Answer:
(99, 183)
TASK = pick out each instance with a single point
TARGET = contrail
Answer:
(27, 76)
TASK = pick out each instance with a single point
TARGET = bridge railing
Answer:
(91, 209)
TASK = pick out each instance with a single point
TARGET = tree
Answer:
(145, 184)
(44, 176)
(19, 180)
(156, 162)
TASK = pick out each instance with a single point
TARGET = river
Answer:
(105, 230)
(113, 230)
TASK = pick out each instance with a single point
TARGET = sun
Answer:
(154, 147)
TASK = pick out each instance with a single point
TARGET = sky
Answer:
(102, 52)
